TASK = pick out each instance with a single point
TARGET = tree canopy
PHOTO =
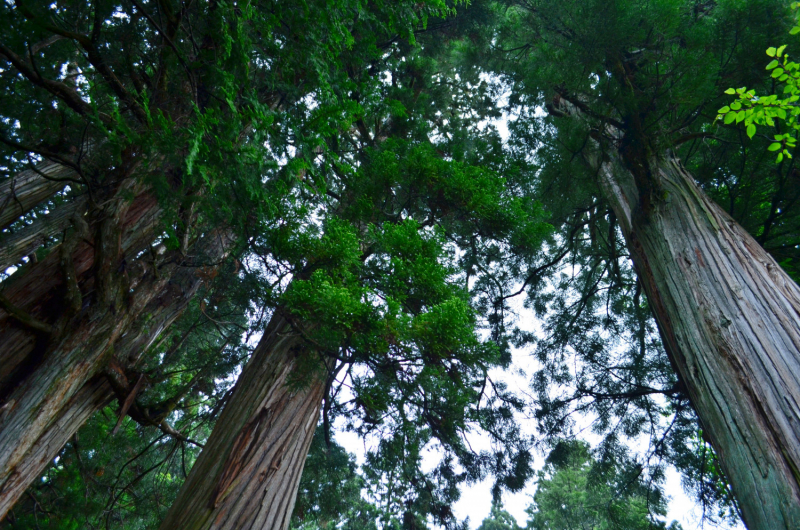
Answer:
(200, 199)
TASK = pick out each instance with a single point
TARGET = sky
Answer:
(476, 500)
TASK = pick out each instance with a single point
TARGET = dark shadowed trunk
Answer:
(49, 303)
(248, 473)
(25, 241)
(729, 317)
(40, 294)
(21, 193)
(56, 395)
(98, 391)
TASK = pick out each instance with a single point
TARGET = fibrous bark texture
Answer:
(729, 317)
(247, 475)
(93, 396)
(24, 191)
(40, 292)
(98, 391)
(14, 246)
(62, 389)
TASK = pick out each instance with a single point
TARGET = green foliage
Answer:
(499, 519)
(346, 146)
(345, 150)
(703, 477)
(765, 110)
(394, 315)
(330, 489)
(576, 491)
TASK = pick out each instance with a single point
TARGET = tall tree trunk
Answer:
(93, 396)
(32, 407)
(98, 391)
(41, 292)
(247, 475)
(729, 317)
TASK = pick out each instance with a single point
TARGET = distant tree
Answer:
(575, 492)
(330, 489)
(499, 519)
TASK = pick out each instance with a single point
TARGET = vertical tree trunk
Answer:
(729, 317)
(247, 475)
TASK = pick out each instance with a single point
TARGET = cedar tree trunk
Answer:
(93, 396)
(100, 390)
(729, 317)
(247, 475)
(25, 241)
(48, 394)
(39, 294)
(24, 191)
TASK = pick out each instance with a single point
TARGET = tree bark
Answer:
(729, 317)
(93, 396)
(247, 475)
(95, 393)
(39, 417)
(32, 407)
(25, 241)
(22, 192)
(40, 292)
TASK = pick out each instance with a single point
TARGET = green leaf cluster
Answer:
(765, 110)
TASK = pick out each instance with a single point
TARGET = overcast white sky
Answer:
(476, 500)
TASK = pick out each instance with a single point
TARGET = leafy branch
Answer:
(765, 110)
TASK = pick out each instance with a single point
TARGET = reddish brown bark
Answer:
(39, 291)
(53, 398)
(728, 315)
(98, 391)
(247, 475)
(33, 406)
